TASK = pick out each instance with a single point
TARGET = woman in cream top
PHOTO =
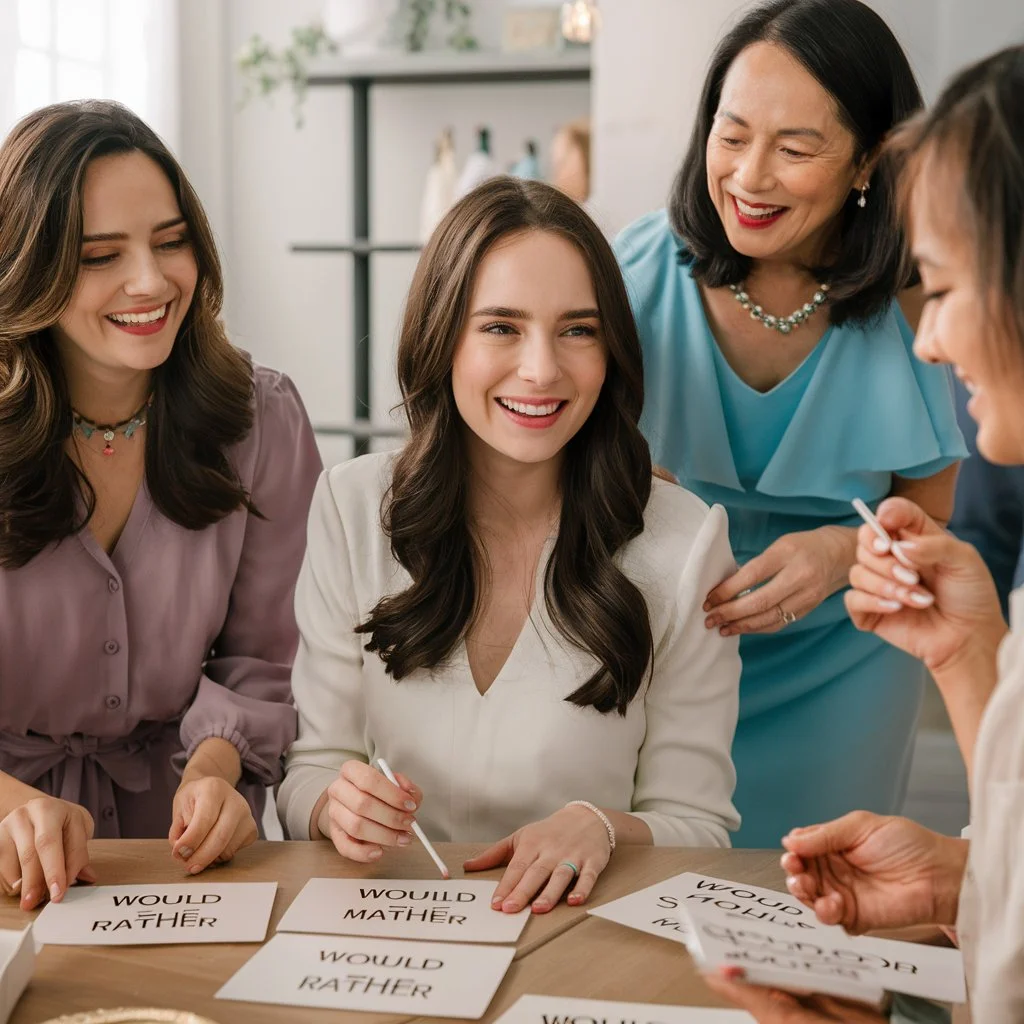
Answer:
(490, 762)
(864, 871)
(508, 610)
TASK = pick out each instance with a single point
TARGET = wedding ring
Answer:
(788, 618)
(569, 864)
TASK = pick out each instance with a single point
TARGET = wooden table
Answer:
(595, 959)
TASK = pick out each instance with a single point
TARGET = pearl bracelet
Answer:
(608, 826)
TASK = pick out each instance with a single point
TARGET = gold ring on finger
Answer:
(788, 618)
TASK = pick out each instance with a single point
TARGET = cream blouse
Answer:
(990, 923)
(491, 763)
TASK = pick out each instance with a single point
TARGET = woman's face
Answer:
(530, 362)
(137, 273)
(957, 325)
(780, 163)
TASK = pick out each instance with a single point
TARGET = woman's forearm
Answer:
(966, 683)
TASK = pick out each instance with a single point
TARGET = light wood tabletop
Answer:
(599, 959)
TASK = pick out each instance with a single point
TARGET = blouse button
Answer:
(112, 585)
(111, 647)
(107, 813)
(113, 702)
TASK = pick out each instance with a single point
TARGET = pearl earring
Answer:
(863, 201)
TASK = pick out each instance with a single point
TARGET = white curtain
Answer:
(125, 50)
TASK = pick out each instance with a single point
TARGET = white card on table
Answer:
(17, 958)
(825, 958)
(431, 979)
(656, 908)
(567, 1010)
(135, 915)
(452, 911)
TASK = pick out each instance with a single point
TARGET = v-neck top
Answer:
(114, 667)
(756, 421)
(858, 411)
(490, 763)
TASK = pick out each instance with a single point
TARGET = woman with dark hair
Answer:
(784, 203)
(508, 609)
(964, 181)
(154, 487)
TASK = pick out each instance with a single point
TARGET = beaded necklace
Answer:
(782, 324)
(127, 427)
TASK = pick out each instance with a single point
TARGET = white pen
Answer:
(872, 520)
(417, 831)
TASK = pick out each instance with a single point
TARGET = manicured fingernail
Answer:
(879, 545)
(374, 854)
(55, 892)
(904, 575)
(706, 606)
(497, 901)
(16, 885)
(922, 600)
(575, 898)
(404, 839)
(710, 623)
(889, 606)
(540, 905)
(790, 882)
(195, 869)
(185, 852)
(28, 899)
(410, 805)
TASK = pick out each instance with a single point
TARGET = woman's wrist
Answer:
(844, 540)
(214, 757)
(606, 823)
(949, 880)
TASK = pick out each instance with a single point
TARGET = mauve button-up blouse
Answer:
(114, 668)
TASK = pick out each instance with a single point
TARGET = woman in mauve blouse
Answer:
(154, 487)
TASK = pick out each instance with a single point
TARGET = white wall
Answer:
(651, 59)
(268, 184)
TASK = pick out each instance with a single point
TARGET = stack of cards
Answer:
(780, 942)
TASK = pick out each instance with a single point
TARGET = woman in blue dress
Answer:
(781, 205)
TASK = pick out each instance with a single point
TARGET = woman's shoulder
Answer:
(358, 486)
(676, 522)
(647, 237)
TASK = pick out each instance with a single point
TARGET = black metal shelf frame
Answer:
(361, 247)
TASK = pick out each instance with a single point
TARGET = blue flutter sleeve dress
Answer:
(827, 713)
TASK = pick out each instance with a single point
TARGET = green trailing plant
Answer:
(264, 70)
(413, 19)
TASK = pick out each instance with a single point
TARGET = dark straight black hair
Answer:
(851, 51)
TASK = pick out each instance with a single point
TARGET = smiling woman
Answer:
(508, 609)
(774, 310)
(154, 486)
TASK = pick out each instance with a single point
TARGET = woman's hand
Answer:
(212, 821)
(43, 850)
(539, 856)
(939, 610)
(785, 582)
(770, 1006)
(866, 871)
(364, 812)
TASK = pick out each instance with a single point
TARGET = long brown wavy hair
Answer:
(606, 475)
(202, 394)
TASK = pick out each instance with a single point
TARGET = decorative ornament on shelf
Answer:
(264, 69)
(411, 23)
(580, 20)
(439, 189)
(479, 167)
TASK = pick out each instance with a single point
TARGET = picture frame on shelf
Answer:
(533, 29)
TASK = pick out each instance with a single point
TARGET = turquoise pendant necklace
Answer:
(126, 427)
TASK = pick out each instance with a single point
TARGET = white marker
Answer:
(417, 831)
(872, 520)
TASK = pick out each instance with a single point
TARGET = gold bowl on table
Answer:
(131, 1015)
